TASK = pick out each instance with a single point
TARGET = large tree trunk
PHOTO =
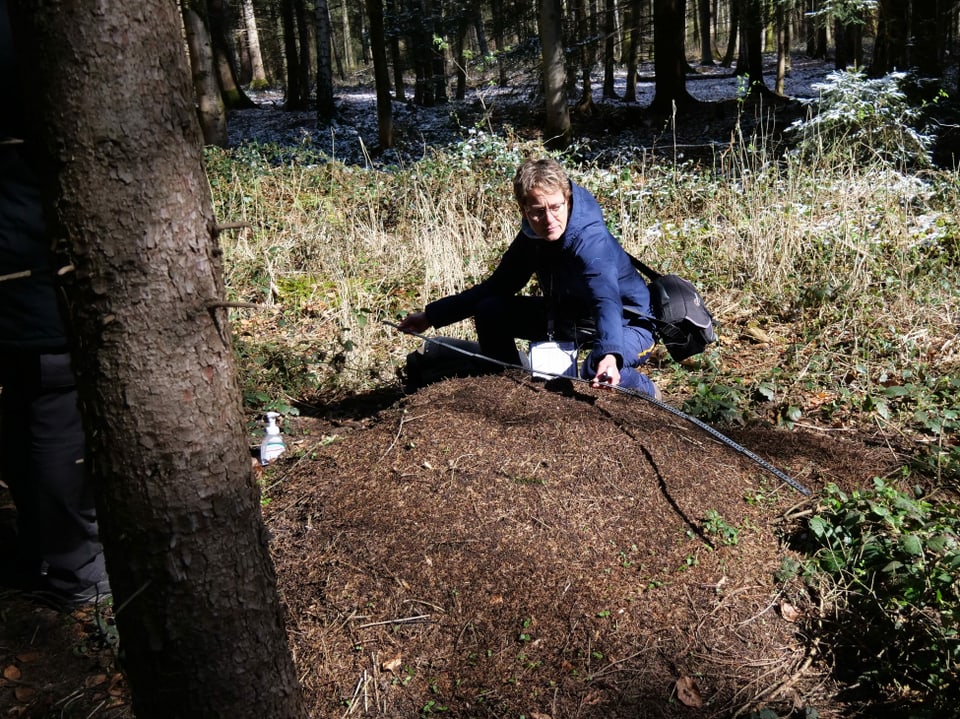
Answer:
(558, 130)
(200, 622)
(210, 109)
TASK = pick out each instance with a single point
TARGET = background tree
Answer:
(220, 24)
(381, 74)
(210, 108)
(669, 59)
(632, 26)
(326, 108)
(252, 68)
(557, 127)
(753, 21)
(913, 35)
(393, 30)
(585, 40)
(199, 619)
(706, 43)
(610, 43)
(298, 82)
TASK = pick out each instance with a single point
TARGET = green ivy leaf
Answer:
(911, 544)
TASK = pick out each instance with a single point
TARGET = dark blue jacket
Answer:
(586, 275)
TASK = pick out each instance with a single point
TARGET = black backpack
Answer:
(682, 319)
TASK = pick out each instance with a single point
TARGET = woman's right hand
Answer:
(415, 322)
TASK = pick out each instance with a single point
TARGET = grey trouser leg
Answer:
(42, 451)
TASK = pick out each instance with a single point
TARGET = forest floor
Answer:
(503, 547)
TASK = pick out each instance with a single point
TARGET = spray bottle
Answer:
(272, 445)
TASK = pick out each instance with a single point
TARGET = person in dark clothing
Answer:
(57, 549)
(591, 290)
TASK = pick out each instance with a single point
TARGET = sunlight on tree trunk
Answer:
(258, 75)
(210, 108)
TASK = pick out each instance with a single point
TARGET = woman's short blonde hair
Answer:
(545, 174)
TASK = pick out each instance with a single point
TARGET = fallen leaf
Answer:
(12, 672)
(592, 698)
(95, 680)
(116, 686)
(24, 694)
(757, 335)
(392, 665)
(688, 692)
(789, 612)
(29, 657)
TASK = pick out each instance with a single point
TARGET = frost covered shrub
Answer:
(860, 119)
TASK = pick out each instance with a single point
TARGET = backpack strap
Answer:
(651, 273)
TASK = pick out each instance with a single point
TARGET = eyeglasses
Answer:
(540, 213)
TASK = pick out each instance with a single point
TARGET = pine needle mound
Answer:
(497, 547)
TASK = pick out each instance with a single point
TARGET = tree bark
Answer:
(733, 32)
(391, 19)
(326, 109)
(296, 91)
(669, 59)
(706, 44)
(226, 63)
(381, 73)
(632, 27)
(258, 74)
(558, 130)
(200, 623)
(753, 23)
(609, 48)
(783, 48)
(347, 37)
(210, 108)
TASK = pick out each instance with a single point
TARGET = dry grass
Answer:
(851, 264)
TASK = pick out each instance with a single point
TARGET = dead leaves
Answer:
(392, 664)
(108, 689)
(688, 692)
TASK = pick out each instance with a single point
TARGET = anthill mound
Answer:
(498, 547)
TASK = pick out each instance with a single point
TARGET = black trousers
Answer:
(501, 320)
(42, 461)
